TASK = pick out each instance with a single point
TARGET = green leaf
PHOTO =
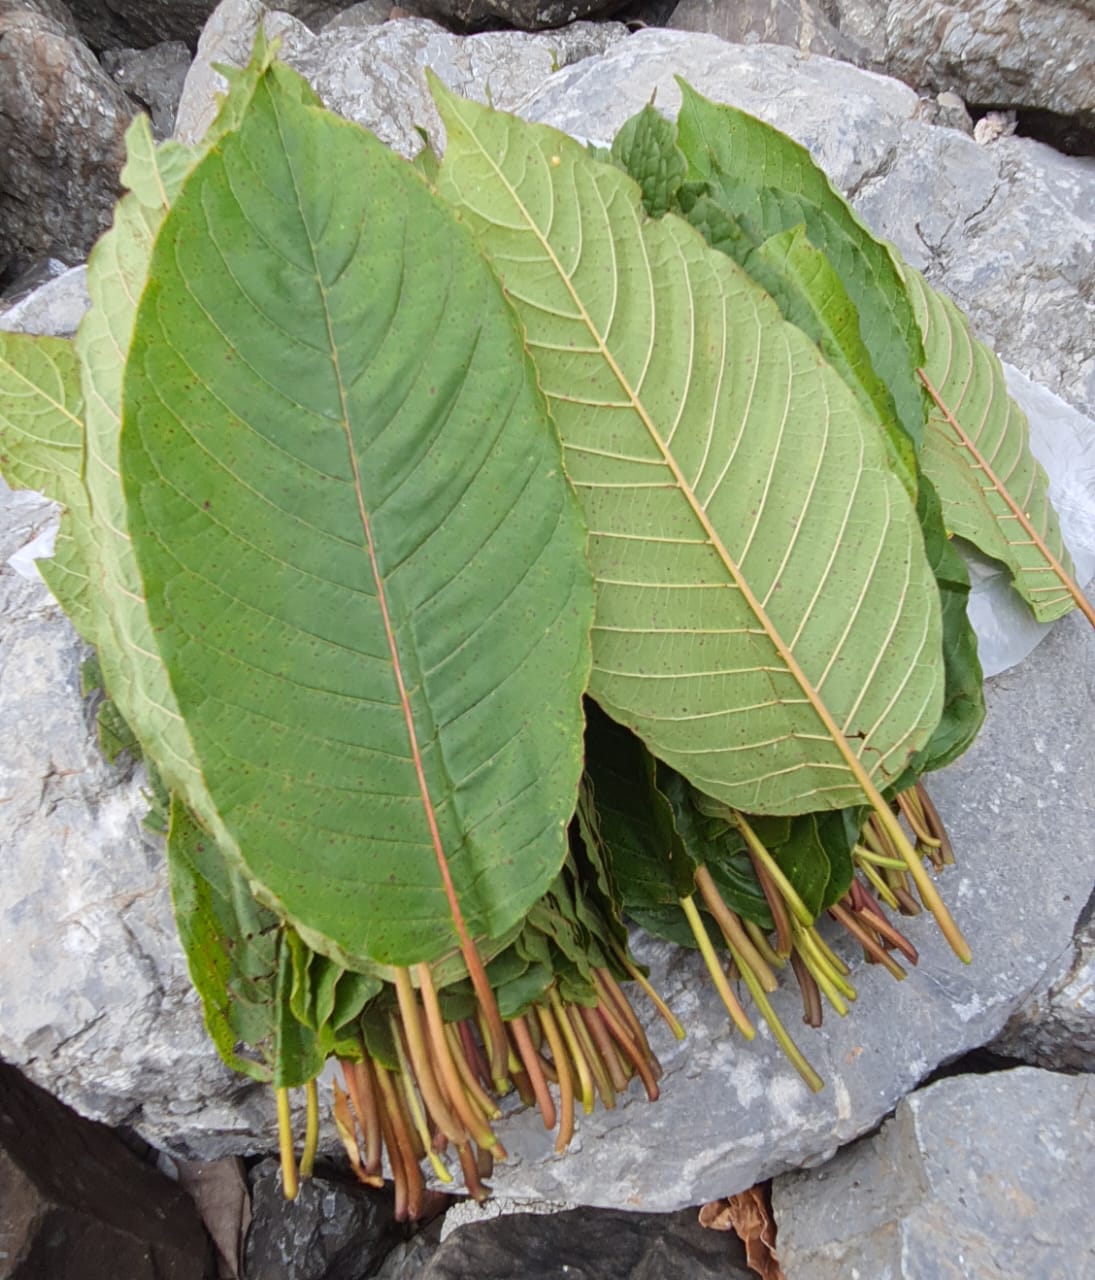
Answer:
(759, 175)
(298, 1053)
(651, 865)
(117, 273)
(812, 296)
(766, 619)
(358, 548)
(977, 454)
(646, 148)
(964, 694)
(230, 946)
(42, 448)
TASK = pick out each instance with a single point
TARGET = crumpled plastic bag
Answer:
(30, 514)
(1063, 441)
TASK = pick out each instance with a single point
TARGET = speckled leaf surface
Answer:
(766, 619)
(42, 448)
(977, 454)
(359, 552)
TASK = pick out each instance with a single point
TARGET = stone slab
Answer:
(977, 1175)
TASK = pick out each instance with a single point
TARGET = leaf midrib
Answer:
(466, 944)
(833, 731)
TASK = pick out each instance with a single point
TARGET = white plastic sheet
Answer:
(1063, 441)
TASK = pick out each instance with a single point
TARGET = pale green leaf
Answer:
(767, 621)
(42, 448)
(977, 454)
(117, 274)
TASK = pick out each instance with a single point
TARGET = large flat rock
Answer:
(974, 1176)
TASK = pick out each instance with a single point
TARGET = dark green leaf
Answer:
(646, 148)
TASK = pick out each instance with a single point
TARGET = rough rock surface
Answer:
(62, 120)
(1005, 229)
(802, 24)
(95, 1001)
(75, 1201)
(974, 1176)
(153, 78)
(1019, 53)
(333, 1230)
(138, 24)
(373, 74)
(55, 308)
(1056, 1027)
(525, 15)
(1035, 53)
(589, 1245)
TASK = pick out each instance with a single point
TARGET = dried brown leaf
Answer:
(749, 1216)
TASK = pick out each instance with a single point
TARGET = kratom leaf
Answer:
(977, 454)
(42, 448)
(759, 175)
(230, 946)
(117, 274)
(810, 293)
(766, 619)
(713, 842)
(298, 1054)
(358, 548)
(646, 148)
(964, 695)
(651, 866)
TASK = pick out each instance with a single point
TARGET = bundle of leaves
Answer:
(479, 551)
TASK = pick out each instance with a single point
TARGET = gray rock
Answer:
(75, 1201)
(333, 1230)
(409, 1259)
(1006, 229)
(948, 110)
(56, 308)
(153, 78)
(1034, 53)
(526, 15)
(95, 1000)
(1026, 53)
(1055, 1028)
(974, 1176)
(62, 122)
(374, 74)
(801, 24)
(367, 13)
(139, 24)
(124, 24)
(589, 1245)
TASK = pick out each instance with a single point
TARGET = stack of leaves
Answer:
(477, 552)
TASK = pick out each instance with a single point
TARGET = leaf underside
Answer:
(42, 448)
(766, 620)
(981, 465)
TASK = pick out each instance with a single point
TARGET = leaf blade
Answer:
(537, 202)
(977, 454)
(42, 448)
(341, 500)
